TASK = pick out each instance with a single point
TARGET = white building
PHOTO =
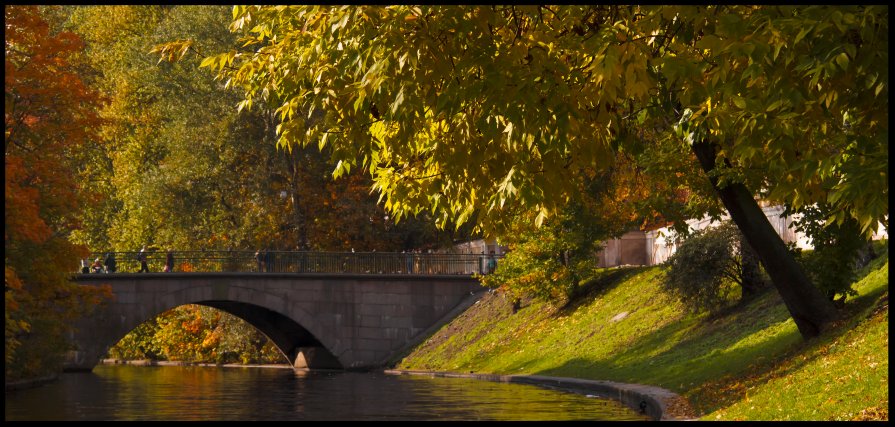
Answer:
(654, 247)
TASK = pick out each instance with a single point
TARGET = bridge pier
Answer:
(315, 358)
(93, 337)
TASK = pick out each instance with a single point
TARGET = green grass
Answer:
(747, 363)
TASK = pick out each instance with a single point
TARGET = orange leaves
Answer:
(50, 114)
(23, 221)
(197, 333)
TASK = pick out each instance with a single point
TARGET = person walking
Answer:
(492, 262)
(144, 268)
(408, 258)
(110, 263)
(268, 260)
(169, 261)
(259, 260)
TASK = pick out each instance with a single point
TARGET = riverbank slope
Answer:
(748, 363)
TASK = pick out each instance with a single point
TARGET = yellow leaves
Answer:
(509, 130)
(173, 51)
(543, 214)
(506, 189)
(241, 17)
(218, 62)
(369, 57)
(244, 104)
(383, 131)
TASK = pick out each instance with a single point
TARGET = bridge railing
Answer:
(305, 262)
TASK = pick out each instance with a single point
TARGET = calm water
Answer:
(121, 392)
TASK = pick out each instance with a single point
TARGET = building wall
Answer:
(626, 250)
(479, 247)
(657, 245)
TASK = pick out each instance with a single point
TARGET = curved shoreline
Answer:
(148, 362)
(656, 402)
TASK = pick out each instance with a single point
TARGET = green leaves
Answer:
(375, 56)
(490, 108)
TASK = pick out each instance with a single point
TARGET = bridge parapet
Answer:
(303, 262)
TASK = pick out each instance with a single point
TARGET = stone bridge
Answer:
(318, 320)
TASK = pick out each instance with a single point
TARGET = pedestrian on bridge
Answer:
(97, 266)
(409, 259)
(268, 260)
(142, 258)
(169, 262)
(110, 263)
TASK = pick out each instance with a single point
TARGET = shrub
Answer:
(534, 269)
(548, 262)
(838, 250)
(708, 266)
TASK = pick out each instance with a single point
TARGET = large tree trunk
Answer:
(807, 305)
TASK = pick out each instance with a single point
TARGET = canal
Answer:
(125, 392)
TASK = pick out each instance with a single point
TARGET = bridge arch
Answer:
(347, 321)
(295, 341)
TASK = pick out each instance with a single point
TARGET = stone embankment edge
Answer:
(30, 383)
(656, 402)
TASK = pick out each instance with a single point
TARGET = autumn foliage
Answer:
(195, 333)
(49, 114)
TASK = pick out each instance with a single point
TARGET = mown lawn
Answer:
(748, 363)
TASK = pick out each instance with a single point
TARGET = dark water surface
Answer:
(122, 392)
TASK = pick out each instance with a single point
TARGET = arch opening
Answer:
(247, 334)
(297, 344)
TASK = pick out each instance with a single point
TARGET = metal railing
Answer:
(303, 262)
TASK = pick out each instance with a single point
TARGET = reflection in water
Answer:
(117, 392)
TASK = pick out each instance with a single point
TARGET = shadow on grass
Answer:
(715, 360)
(705, 351)
(593, 288)
(728, 390)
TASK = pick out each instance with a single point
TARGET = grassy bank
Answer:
(748, 363)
